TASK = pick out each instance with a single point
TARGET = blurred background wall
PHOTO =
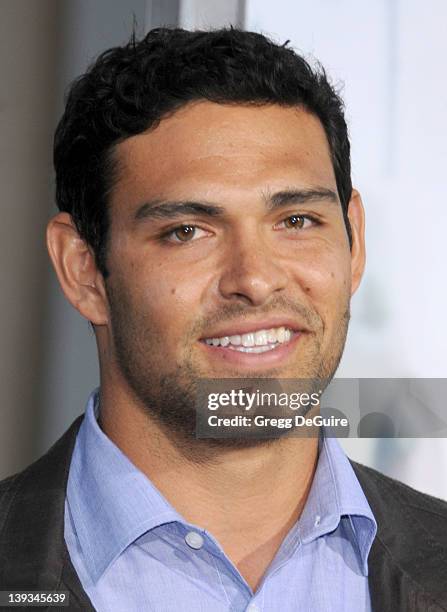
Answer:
(390, 56)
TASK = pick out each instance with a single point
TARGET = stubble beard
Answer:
(169, 398)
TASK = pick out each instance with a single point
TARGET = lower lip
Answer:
(272, 357)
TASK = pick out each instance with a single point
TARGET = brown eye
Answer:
(185, 232)
(295, 221)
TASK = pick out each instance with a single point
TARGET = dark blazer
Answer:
(407, 563)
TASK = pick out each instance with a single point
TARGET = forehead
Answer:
(214, 146)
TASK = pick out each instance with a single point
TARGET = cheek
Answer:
(170, 300)
(160, 299)
(325, 281)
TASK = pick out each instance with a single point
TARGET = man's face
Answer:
(253, 252)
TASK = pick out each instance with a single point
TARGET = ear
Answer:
(356, 215)
(75, 266)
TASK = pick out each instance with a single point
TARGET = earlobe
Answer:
(356, 215)
(75, 267)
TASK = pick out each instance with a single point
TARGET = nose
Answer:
(251, 272)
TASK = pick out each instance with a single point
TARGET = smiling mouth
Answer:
(259, 341)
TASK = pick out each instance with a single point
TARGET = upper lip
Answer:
(246, 327)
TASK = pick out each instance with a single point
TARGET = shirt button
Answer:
(194, 540)
(252, 608)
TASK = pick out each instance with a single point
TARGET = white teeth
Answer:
(254, 349)
(271, 336)
(262, 340)
(248, 339)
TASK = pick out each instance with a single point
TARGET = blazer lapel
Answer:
(32, 535)
(404, 561)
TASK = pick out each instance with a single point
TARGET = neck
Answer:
(248, 499)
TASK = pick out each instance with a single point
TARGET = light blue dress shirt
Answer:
(133, 551)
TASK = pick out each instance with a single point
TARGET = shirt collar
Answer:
(336, 495)
(101, 481)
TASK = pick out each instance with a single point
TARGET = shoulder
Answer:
(393, 494)
(44, 476)
(408, 559)
(32, 549)
(411, 542)
(7, 484)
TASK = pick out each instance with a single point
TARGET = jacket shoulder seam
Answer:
(427, 510)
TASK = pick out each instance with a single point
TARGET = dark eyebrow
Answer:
(299, 196)
(162, 209)
(159, 209)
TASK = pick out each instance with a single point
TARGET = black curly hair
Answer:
(129, 89)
